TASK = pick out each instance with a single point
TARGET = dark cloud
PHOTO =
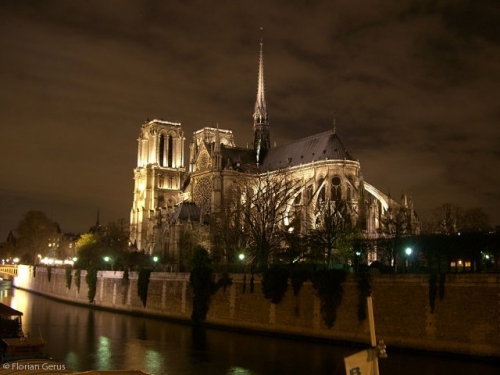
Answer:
(412, 86)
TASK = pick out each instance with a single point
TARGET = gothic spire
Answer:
(262, 141)
(260, 112)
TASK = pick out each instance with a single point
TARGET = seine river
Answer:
(86, 339)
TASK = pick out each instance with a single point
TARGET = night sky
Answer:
(413, 85)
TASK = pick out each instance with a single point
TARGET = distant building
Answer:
(8, 247)
(168, 198)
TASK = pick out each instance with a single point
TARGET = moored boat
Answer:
(14, 345)
(10, 322)
(21, 355)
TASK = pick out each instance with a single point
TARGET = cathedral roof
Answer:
(186, 211)
(237, 157)
(322, 146)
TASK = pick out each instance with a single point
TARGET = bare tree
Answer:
(476, 220)
(228, 238)
(332, 233)
(266, 202)
(295, 246)
(114, 241)
(395, 226)
(450, 219)
(447, 219)
(35, 230)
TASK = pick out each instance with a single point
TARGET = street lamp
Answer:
(108, 260)
(356, 260)
(155, 260)
(241, 257)
(408, 252)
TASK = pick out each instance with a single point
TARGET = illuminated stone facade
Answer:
(158, 180)
(324, 168)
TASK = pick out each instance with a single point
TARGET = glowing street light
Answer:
(241, 256)
(155, 259)
(109, 260)
(408, 252)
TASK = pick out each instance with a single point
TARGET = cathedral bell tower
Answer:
(262, 141)
(157, 181)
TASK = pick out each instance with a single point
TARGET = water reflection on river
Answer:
(87, 339)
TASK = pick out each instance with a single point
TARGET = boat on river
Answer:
(22, 355)
(14, 345)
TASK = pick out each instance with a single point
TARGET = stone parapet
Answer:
(465, 320)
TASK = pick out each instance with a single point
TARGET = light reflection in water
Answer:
(87, 339)
(238, 371)
(104, 354)
(20, 303)
(72, 360)
(154, 362)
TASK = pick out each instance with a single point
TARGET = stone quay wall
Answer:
(465, 321)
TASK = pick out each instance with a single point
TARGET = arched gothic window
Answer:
(170, 151)
(161, 151)
(165, 150)
(336, 192)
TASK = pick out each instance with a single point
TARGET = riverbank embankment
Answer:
(464, 320)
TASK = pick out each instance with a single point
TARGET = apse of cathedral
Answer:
(170, 202)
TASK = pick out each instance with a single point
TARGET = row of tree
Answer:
(261, 225)
(258, 220)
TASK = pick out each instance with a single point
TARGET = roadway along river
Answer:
(87, 339)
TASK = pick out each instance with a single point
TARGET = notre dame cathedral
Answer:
(168, 200)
